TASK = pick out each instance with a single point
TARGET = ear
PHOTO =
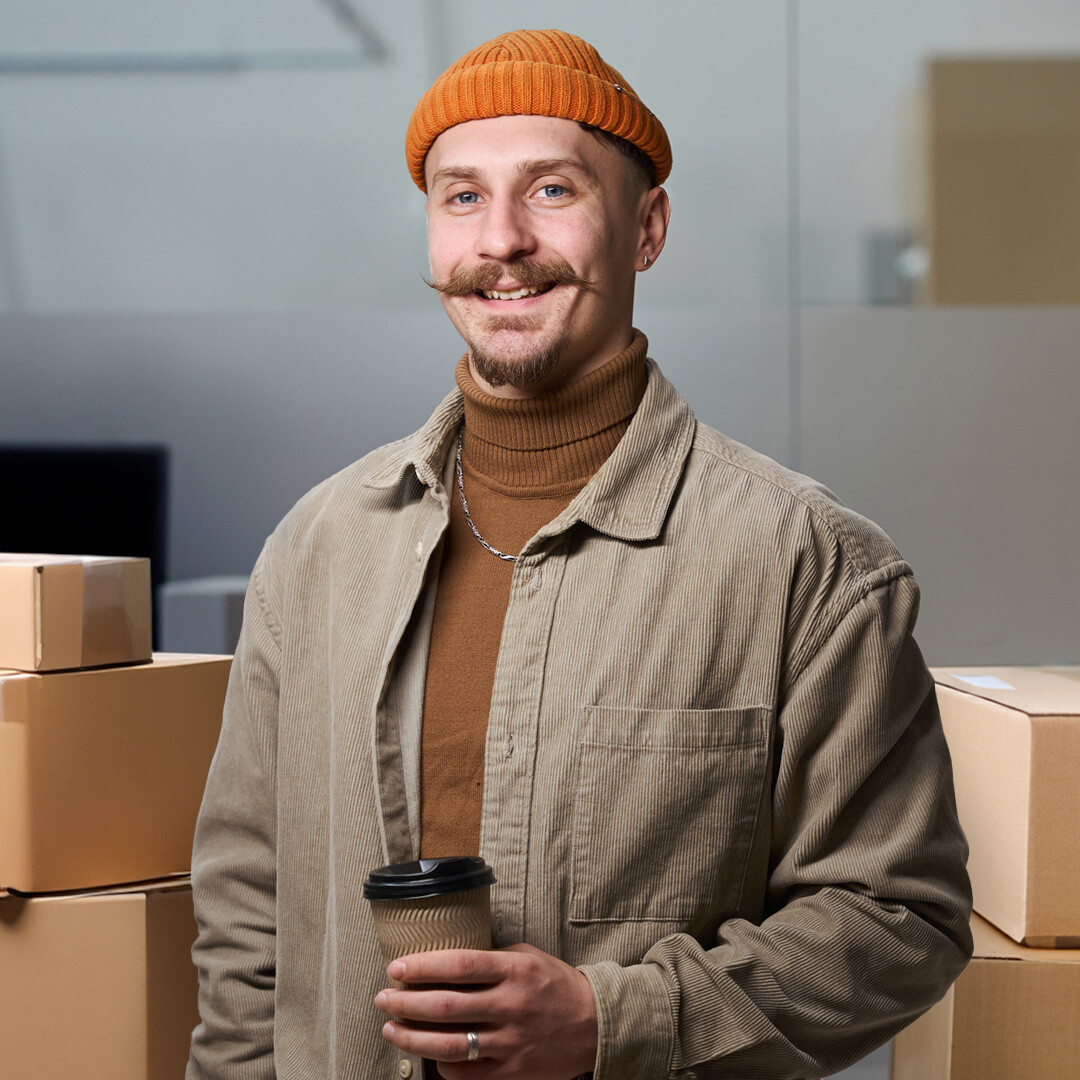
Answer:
(655, 215)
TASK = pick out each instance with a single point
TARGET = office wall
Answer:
(258, 408)
(231, 262)
(954, 429)
(285, 188)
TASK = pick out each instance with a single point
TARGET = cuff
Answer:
(635, 1021)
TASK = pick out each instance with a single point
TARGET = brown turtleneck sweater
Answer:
(523, 461)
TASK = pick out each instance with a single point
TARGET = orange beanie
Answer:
(534, 73)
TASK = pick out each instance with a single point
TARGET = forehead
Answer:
(508, 142)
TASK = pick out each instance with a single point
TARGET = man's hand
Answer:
(535, 1016)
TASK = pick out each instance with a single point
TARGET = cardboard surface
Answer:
(1012, 1015)
(102, 771)
(73, 611)
(98, 985)
(1003, 180)
(1014, 737)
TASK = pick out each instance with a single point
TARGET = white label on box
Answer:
(984, 682)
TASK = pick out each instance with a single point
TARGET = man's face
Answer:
(534, 231)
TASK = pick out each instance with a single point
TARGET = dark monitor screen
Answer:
(86, 500)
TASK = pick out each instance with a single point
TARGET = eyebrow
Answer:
(554, 165)
(534, 167)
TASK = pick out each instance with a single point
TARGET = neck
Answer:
(554, 442)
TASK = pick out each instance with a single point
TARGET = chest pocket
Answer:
(665, 811)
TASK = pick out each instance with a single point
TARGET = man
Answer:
(665, 687)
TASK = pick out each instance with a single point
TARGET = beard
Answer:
(526, 371)
(523, 372)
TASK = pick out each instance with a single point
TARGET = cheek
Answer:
(593, 247)
(444, 244)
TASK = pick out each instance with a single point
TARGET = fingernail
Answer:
(380, 1001)
(396, 971)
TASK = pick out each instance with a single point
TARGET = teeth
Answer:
(517, 294)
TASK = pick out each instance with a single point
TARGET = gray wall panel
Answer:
(957, 431)
(258, 408)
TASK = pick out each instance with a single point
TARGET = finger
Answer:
(442, 1046)
(475, 966)
(442, 1006)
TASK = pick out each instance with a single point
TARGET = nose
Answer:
(505, 233)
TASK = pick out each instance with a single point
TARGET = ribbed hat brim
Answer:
(497, 80)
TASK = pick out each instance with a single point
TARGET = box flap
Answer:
(33, 558)
(141, 888)
(1035, 691)
(992, 944)
(18, 558)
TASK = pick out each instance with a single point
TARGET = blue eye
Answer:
(465, 198)
(553, 191)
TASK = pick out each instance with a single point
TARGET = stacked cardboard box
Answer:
(1012, 1015)
(98, 985)
(1014, 737)
(104, 751)
(1001, 189)
(63, 611)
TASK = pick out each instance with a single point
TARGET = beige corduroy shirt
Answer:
(715, 777)
(522, 462)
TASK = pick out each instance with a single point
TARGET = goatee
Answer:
(526, 372)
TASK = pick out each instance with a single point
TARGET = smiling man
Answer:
(665, 687)
(536, 230)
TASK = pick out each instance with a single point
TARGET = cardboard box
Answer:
(1002, 187)
(1014, 737)
(102, 771)
(1014, 1014)
(73, 611)
(98, 985)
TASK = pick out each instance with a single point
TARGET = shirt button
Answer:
(404, 1069)
(419, 556)
(537, 581)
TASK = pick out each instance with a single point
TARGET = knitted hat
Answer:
(534, 73)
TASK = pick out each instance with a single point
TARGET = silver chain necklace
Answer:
(465, 503)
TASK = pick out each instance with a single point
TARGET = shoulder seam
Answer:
(866, 575)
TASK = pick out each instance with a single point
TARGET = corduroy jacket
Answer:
(715, 775)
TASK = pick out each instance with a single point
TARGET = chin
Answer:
(523, 367)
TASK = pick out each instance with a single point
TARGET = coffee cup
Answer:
(431, 904)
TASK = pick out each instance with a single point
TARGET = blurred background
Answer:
(211, 255)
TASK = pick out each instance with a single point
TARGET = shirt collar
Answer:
(629, 496)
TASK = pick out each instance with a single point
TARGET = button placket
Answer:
(516, 698)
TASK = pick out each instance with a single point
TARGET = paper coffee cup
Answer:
(431, 904)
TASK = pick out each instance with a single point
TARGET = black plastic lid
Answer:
(428, 877)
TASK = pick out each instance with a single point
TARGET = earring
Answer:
(646, 266)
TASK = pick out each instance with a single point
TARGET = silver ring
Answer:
(474, 1046)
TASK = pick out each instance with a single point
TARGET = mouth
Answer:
(515, 294)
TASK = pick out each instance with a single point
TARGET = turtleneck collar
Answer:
(553, 444)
